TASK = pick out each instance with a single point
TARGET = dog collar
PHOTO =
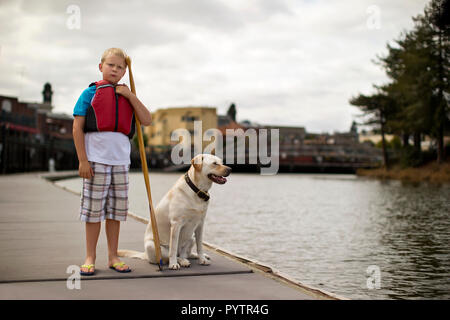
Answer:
(200, 193)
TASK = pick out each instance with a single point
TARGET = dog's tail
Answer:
(132, 254)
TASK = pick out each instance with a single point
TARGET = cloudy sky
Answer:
(282, 62)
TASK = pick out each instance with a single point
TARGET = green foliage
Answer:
(232, 111)
(418, 66)
(395, 144)
(410, 157)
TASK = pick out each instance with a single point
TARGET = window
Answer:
(6, 106)
(189, 118)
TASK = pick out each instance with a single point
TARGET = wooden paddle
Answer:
(145, 172)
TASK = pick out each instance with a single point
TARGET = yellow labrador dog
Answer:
(180, 215)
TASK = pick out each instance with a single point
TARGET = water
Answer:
(330, 231)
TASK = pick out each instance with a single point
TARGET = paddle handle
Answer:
(145, 172)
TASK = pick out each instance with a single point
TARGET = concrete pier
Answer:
(42, 242)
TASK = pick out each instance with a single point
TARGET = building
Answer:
(373, 138)
(31, 135)
(290, 137)
(166, 121)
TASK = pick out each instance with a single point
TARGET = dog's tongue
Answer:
(219, 179)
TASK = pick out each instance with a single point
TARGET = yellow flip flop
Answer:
(89, 267)
(120, 264)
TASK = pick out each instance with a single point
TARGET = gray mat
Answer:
(40, 237)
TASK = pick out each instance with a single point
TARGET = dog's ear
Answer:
(197, 162)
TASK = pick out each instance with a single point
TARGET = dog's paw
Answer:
(204, 261)
(184, 262)
(174, 266)
(193, 255)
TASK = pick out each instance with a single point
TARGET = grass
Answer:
(430, 172)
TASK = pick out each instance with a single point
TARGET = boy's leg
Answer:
(112, 235)
(92, 210)
(117, 209)
(92, 233)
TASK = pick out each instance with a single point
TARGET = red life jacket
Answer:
(109, 111)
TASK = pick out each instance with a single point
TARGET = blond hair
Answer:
(117, 52)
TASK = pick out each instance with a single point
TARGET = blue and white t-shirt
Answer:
(112, 148)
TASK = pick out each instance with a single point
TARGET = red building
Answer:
(31, 135)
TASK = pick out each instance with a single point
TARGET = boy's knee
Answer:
(112, 221)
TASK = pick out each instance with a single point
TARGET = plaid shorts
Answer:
(105, 195)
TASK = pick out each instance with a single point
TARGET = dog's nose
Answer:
(228, 171)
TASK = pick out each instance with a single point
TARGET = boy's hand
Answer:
(123, 90)
(140, 110)
(85, 170)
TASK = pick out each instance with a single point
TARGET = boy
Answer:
(104, 155)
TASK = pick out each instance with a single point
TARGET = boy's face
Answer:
(113, 68)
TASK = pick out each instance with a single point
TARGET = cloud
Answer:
(282, 62)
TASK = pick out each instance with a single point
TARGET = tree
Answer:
(434, 24)
(377, 108)
(405, 65)
(354, 128)
(418, 67)
(232, 112)
(429, 67)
